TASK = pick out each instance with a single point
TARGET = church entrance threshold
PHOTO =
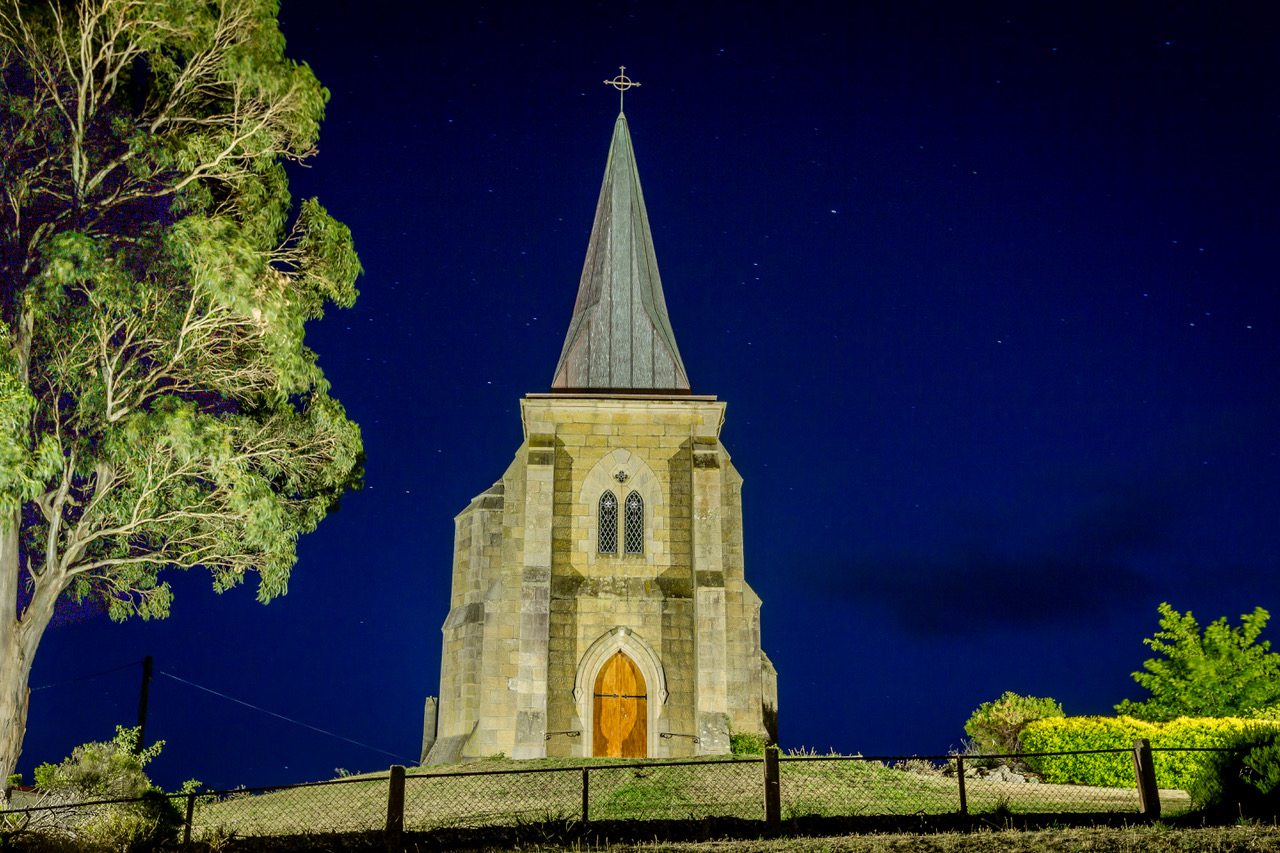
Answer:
(620, 710)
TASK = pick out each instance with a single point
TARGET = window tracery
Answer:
(633, 524)
(607, 524)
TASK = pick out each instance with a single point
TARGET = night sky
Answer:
(990, 291)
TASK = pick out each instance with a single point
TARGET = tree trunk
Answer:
(13, 669)
(19, 638)
(14, 693)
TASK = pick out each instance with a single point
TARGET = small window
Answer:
(634, 524)
(608, 524)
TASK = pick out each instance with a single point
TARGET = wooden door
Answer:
(620, 711)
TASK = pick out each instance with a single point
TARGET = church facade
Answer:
(599, 603)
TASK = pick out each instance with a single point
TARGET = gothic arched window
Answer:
(607, 518)
(633, 524)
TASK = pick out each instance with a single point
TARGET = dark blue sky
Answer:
(990, 290)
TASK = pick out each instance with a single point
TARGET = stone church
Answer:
(599, 606)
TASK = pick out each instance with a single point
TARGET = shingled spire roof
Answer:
(620, 338)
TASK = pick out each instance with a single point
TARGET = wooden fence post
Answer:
(1145, 772)
(772, 787)
(191, 810)
(964, 801)
(586, 795)
(395, 810)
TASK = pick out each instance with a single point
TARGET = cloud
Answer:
(1075, 571)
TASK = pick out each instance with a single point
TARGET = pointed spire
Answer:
(620, 337)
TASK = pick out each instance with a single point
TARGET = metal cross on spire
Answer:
(622, 83)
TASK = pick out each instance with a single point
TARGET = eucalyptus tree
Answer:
(158, 406)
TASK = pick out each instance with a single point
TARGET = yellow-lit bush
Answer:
(1173, 769)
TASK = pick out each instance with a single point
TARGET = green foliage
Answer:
(110, 770)
(1244, 782)
(747, 743)
(1223, 672)
(1173, 769)
(995, 726)
(153, 823)
(102, 769)
(157, 399)
(25, 461)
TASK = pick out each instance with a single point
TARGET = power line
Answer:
(282, 716)
(131, 665)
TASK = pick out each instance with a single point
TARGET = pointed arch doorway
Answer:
(620, 710)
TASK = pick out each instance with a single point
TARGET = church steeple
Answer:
(620, 337)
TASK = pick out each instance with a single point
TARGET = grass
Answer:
(1101, 839)
(826, 787)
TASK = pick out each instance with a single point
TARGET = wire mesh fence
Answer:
(605, 791)
(687, 790)
(776, 788)
(830, 786)
(1005, 784)
(1181, 764)
(851, 786)
(341, 805)
(491, 798)
(92, 821)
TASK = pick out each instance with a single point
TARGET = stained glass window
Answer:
(633, 524)
(608, 524)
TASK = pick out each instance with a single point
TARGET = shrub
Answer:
(995, 726)
(1173, 769)
(152, 823)
(747, 743)
(105, 770)
(101, 769)
(1244, 782)
(1220, 672)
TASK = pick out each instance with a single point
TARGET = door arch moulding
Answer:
(621, 639)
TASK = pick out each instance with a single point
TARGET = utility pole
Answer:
(142, 702)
